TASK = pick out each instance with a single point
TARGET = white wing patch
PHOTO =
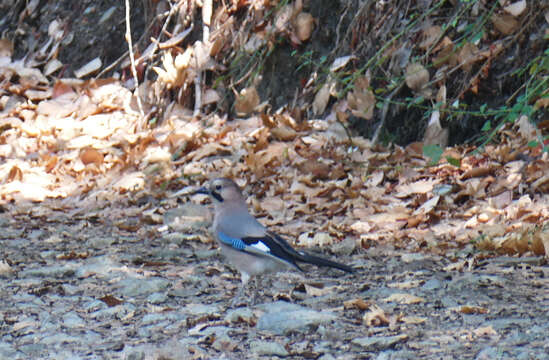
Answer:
(261, 246)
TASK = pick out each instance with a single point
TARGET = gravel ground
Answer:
(97, 289)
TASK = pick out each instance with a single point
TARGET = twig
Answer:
(132, 58)
(197, 93)
(206, 19)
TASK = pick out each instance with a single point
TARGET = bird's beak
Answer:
(202, 190)
(190, 190)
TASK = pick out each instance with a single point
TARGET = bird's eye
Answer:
(218, 187)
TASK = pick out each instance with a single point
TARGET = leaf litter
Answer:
(83, 143)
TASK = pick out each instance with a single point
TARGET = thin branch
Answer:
(132, 58)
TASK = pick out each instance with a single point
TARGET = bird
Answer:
(248, 245)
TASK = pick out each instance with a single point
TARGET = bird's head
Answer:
(221, 190)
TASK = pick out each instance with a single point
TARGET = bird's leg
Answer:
(245, 278)
(253, 297)
(258, 286)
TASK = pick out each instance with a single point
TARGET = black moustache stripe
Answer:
(217, 196)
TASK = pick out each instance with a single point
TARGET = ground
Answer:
(79, 289)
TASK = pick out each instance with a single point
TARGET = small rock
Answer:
(268, 348)
(238, 315)
(122, 311)
(157, 298)
(136, 355)
(55, 271)
(158, 317)
(345, 247)
(60, 338)
(133, 287)
(326, 357)
(377, 343)
(408, 258)
(101, 265)
(488, 353)
(223, 343)
(432, 284)
(200, 309)
(282, 318)
(100, 242)
(505, 323)
(7, 351)
(71, 320)
(94, 305)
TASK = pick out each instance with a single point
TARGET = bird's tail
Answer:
(320, 261)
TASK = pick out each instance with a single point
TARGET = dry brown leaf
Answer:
(471, 309)
(91, 156)
(210, 97)
(283, 17)
(516, 8)
(484, 331)
(527, 130)
(406, 284)
(361, 227)
(375, 179)
(359, 304)
(413, 320)
(375, 317)
(284, 133)
(5, 269)
(304, 24)
(540, 243)
(111, 300)
(427, 206)
(477, 172)
(502, 200)
(313, 290)
(206, 150)
(340, 62)
(434, 133)
(468, 55)
(416, 76)
(51, 161)
(15, 174)
(404, 299)
(6, 47)
(361, 100)
(322, 97)
(418, 187)
(89, 68)
(505, 23)
(430, 36)
(246, 101)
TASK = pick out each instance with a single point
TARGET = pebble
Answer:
(268, 348)
(135, 287)
(157, 298)
(244, 314)
(283, 318)
(376, 343)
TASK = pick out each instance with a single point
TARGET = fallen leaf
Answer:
(360, 304)
(416, 76)
(375, 317)
(246, 101)
(404, 299)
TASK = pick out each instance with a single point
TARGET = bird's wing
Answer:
(245, 233)
(265, 246)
